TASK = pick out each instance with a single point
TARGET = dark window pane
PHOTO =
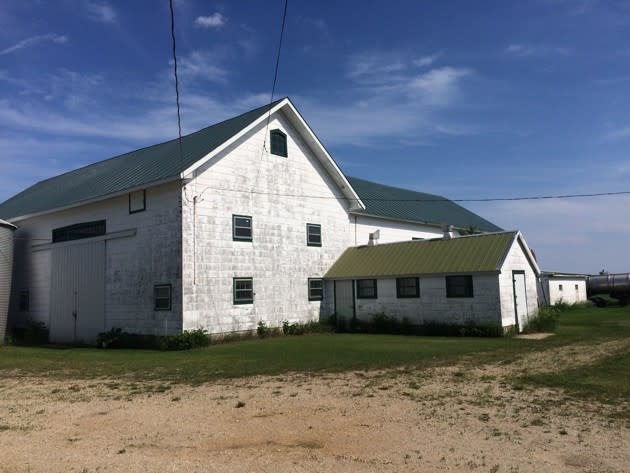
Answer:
(162, 296)
(315, 289)
(408, 287)
(278, 143)
(366, 289)
(313, 234)
(243, 290)
(79, 231)
(459, 286)
(241, 228)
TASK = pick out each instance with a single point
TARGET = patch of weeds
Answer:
(537, 422)
(484, 417)
(55, 391)
(74, 388)
(176, 399)
(413, 385)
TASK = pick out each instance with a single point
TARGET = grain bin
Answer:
(6, 272)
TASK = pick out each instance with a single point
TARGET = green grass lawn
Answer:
(317, 353)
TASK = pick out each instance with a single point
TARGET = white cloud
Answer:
(619, 133)
(530, 50)
(441, 85)
(216, 20)
(203, 65)
(34, 40)
(573, 235)
(427, 60)
(101, 11)
(374, 68)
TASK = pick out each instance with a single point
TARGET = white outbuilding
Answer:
(486, 279)
(562, 287)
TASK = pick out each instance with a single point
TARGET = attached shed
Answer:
(487, 279)
(562, 287)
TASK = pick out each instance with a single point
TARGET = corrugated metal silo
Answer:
(6, 272)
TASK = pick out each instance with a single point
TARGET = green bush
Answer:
(117, 338)
(262, 330)
(382, 324)
(546, 320)
(33, 333)
(299, 328)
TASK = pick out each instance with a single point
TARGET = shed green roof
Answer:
(403, 204)
(138, 168)
(476, 253)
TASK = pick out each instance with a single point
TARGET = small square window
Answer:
(24, 301)
(576, 287)
(407, 288)
(313, 234)
(278, 142)
(243, 289)
(137, 201)
(366, 289)
(315, 289)
(162, 296)
(241, 228)
(560, 288)
(459, 286)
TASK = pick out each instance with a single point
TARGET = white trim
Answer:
(98, 199)
(311, 139)
(108, 236)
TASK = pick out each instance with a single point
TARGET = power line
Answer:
(179, 120)
(377, 199)
(275, 74)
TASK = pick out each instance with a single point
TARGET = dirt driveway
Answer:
(446, 419)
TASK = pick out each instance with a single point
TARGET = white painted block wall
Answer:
(391, 231)
(433, 305)
(133, 264)
(568, 290)
(517, 261)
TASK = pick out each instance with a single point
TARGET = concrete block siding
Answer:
(133, 264)
(433, 305)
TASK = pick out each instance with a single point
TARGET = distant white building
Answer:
(241, 227)
(562, 287)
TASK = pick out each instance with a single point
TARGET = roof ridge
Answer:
(142, 148)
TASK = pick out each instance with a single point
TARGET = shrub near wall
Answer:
(382, 324)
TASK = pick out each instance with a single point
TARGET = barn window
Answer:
(315, 289)
(560, 287)
(162, 296)
(278, 143)
(78, 231)
(459, 286)
(137, 201)
(241, 228)
(366, 289)
(576, 287)
(313, 234)
(243, 289)
(24, 301)
(407, 287)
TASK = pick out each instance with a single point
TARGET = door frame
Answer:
(514, 272)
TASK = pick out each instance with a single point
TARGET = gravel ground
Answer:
(445, 419)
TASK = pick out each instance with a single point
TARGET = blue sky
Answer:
(463, 99)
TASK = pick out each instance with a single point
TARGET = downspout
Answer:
(355, 230)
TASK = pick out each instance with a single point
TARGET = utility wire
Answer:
(179, 120)
(275, 74)
(377, 199)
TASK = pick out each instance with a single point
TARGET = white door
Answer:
(77, 292)
(344, 299)
(520, 299)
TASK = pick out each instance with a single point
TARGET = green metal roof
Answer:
(135, 169)
(476, 253)
(403, 204)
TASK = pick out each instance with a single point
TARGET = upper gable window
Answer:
(137, 201)
(278, 142)
(241, 228)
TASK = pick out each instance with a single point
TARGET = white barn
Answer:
(487, 280)
(239, 228)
